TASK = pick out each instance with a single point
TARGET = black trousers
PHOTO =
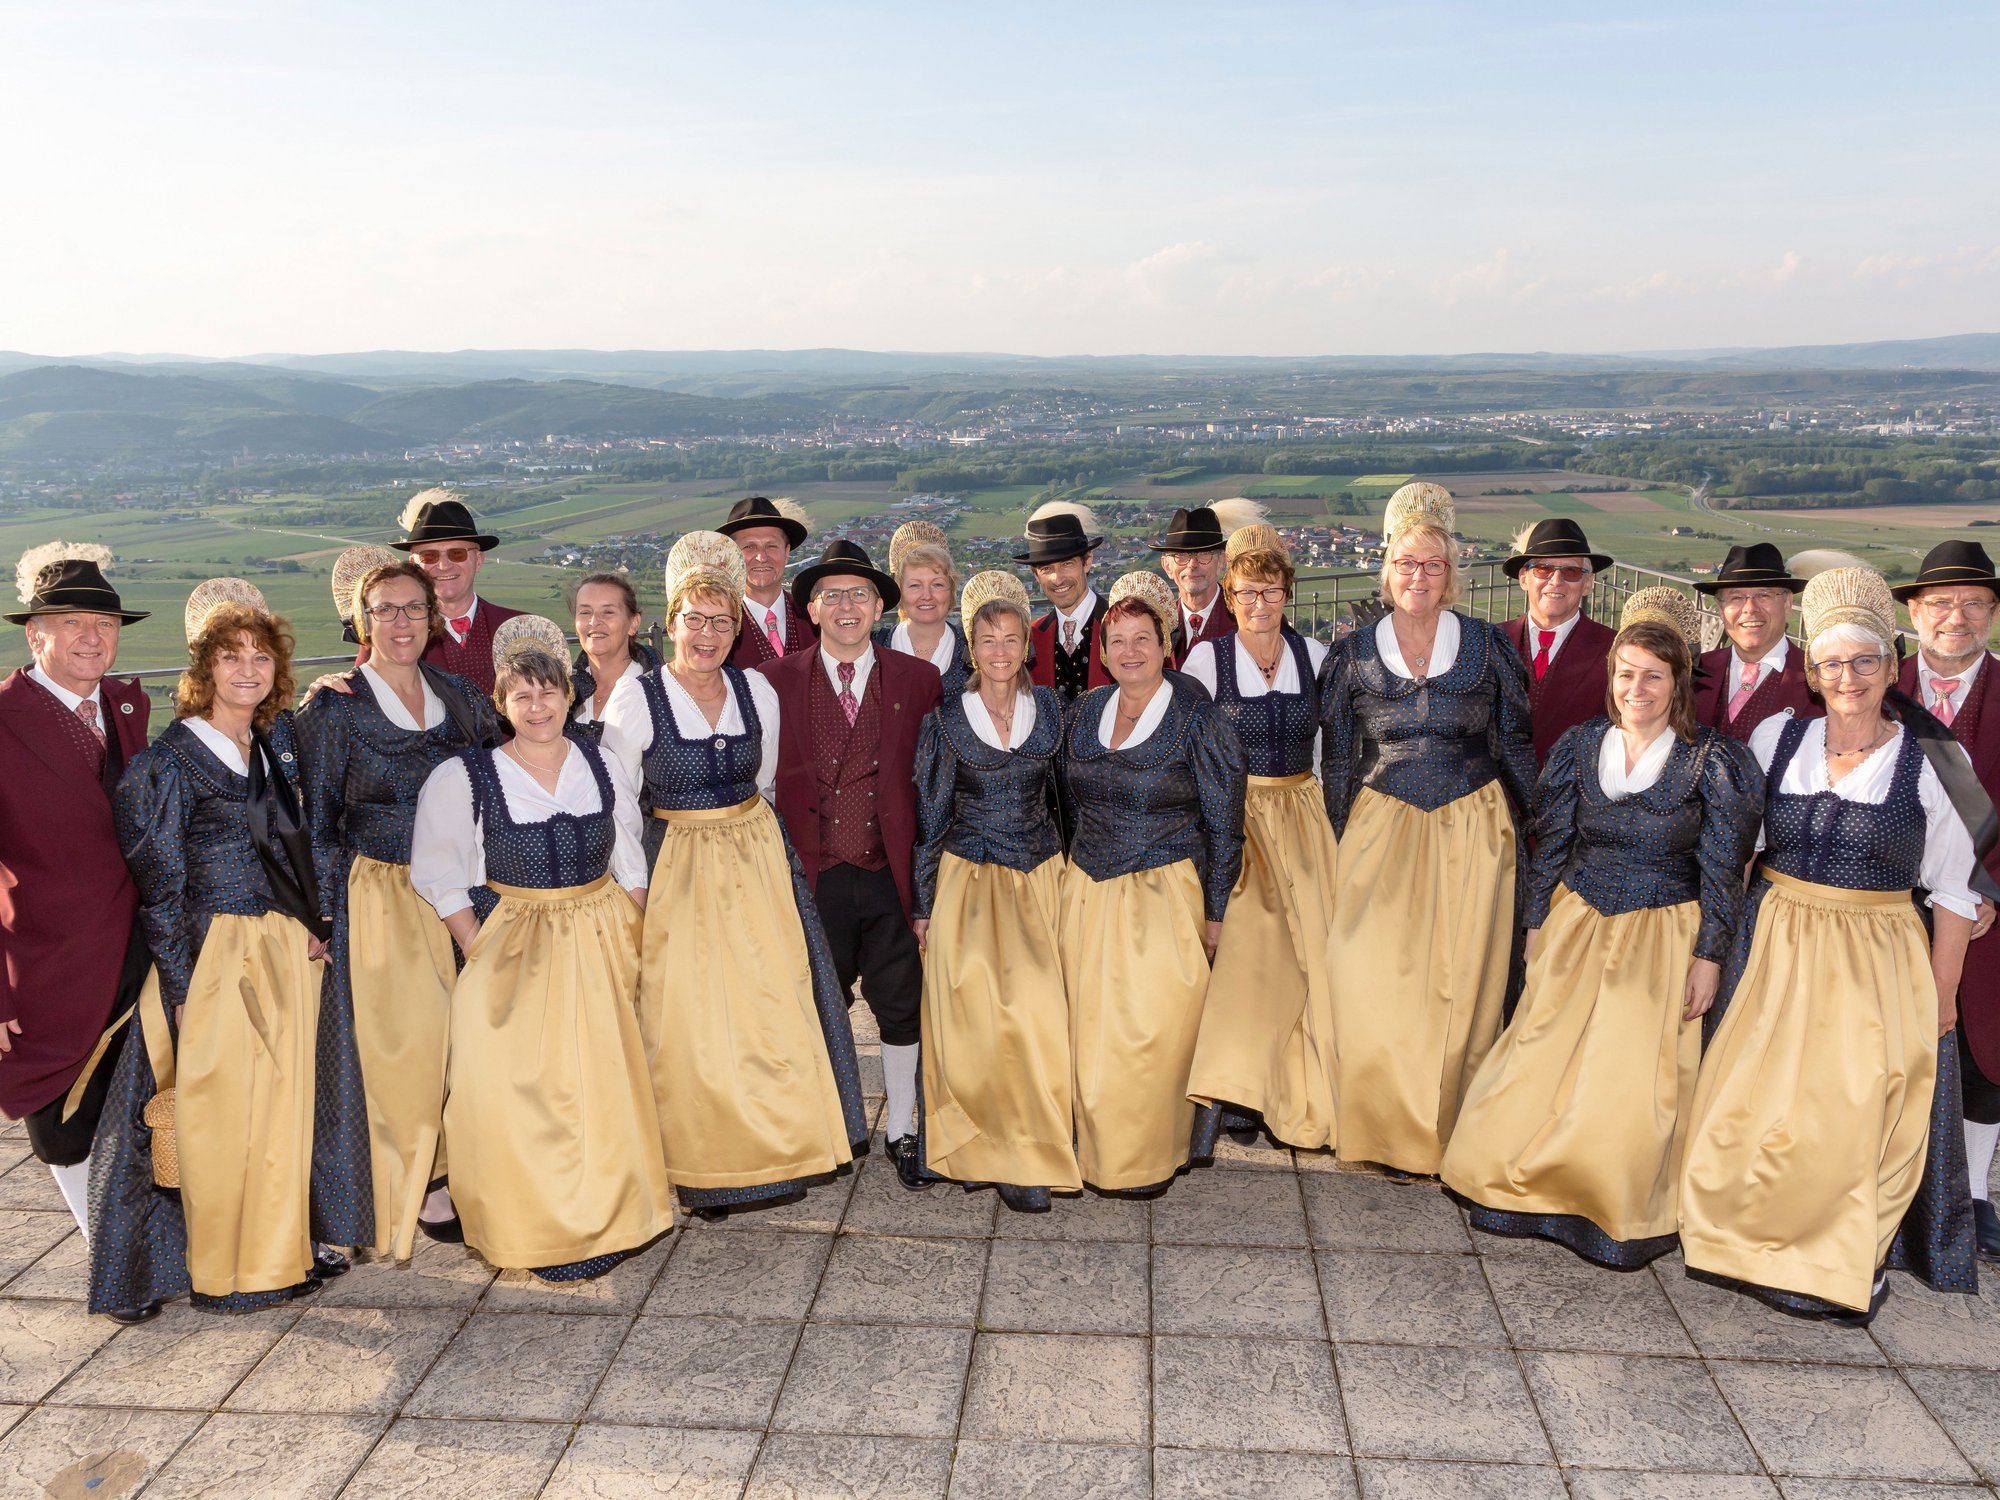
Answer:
(62, 1143)
(871, 941)
(1982, 1095)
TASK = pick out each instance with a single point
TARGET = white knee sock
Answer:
(1979, 1143)
(75, 1184)
(899, 1079)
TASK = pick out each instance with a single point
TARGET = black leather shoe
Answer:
(328, 1264)
(1863, 1319)
(1244, 1135)
(909, 1171)
(1987, 1222)
(444, 1231)
(130, 1315)
(713, 1215)
(1397, 1174)
(305, 1288)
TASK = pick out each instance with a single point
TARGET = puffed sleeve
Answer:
(447, 851)
(765, 696)
(937, 791)
(628, 853)
(1509, 733)
(1200, 665)
(1731, 787)
(1555, 823)
(1948, 852)
(1336, 734)
(322, 730)
(628, 735)
(152, 809)
(1220, 776)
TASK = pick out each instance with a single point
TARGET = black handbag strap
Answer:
(283, 843)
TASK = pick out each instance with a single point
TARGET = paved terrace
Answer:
(1273, 1328)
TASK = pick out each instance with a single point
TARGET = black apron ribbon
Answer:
(283, 843)
(1961, 785)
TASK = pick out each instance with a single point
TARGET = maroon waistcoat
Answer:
(1572, 691)
(848, 764)
(753, 647)
(1778, 693)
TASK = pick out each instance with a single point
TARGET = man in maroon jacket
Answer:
(1564, 648)
(848, 720)
(1192, 555)
(766, 532)
(1759, 673)
(71, 959)
(1952, 603)
(447, 543)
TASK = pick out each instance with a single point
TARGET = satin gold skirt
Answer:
(1582, 1106)
(1266, 1040)
(1137, 973)
(1422, 933)
(1812, 1113)
(745, 1092)
(997, 1076)
(556, 1154)
(243, 1105)
(400, 972)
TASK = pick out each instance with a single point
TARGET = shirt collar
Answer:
(1081, 614)
(471, 611)
(65, 697)
(1925, 676)
(1772, 661)
(757, 611)
(1562, 633)
(863, 665)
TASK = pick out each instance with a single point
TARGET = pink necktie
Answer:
(771, 632)
(1944, 687)
(1742, 694)
(1069, 636)
(849, 704)
(87, 711)
(1542, 656)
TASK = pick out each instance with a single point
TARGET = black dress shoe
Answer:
(1397, 1174)
(131, 1315)
(1245, 1135)
(1862, 1319)
(328, 1264)
(712, 1215)
(444, 1231)
(909, 1171)
(305, 1288)
(1987, 1223)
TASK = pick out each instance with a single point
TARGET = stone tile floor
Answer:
(1271, 1328)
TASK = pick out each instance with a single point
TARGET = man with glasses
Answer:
(1758, 674)
(446, 543)
(1191, 554)
(765, 532)
(1952, 605)
(1564, 648)
(847, 794)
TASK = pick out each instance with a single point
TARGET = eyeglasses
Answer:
(861, 593)
(1430, 567)
(1730, 601)
(1567, 572)
(432, 555)
(708, 624)
(383, 614)
(1860, 666)
(1274, 594)
(1944, 609)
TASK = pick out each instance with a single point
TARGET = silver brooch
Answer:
(124, 708)
(720, 742)
(286, 757)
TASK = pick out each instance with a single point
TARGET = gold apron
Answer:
(1422, 932)
(1136, 974)
(243, 1106)
(1582, 1106)
(1811, 1118)
(745, 1092)
(1267, 1030)
(556, 1154)
(400, 972)
(997, 1084)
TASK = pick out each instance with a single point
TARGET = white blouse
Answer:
(941, 654)
(586, 708)
(983, 726)
(1444, 650)
(628, 734)
(1618, 783)
(394, 709)
(1200, 665)
(226, 750)
(448, 846)
(1149, 717)
(1947, 861)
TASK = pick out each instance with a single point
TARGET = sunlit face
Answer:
(1555, 587)
(845, 608)
(1418, 574)
(244, 673)
(537, 710)
(1259, 604)
(454, 568)
(765, 549)
(1851, 674)
(926, 595)
(704, 630)
(999, 646)
(1194, 574)
(76, 650)
(1133, 651)
(399, 638)
(604, 623)
(1755, 619)
(1953, 623)
(1063, 583)
(1642, 686)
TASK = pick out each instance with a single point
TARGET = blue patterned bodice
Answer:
(1829, 840)
(987, 806)
(1278, 729)
(569, 849)
(717, 770)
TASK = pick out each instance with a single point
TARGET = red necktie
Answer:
(1944, 687)
(771, 633)
(849, 704)
(1548, 638)
(460, 627)
(1194, 629)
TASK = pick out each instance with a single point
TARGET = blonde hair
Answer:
(927, 555)
(1415, 536)
(986, 614)
(707, 584)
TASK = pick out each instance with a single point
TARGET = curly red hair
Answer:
(225, 625)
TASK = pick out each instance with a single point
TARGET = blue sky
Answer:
(219, 178)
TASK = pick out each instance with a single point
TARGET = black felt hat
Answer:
(1758, 566)
(1554, 536)
(444, 521)
(843, 557)
(1197, 530)
(1950, 563)
(759, 510)
(1056, 533)
(73, 586)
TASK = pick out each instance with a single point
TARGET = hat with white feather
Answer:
(758, 510)
(440, 515)
(64, 578)
(1059, 530)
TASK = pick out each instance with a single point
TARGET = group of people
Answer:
(1631, 945)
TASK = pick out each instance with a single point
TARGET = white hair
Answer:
(1848, 635)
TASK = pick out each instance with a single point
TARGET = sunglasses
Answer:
(431, 555)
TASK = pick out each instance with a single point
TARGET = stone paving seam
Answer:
(1520, 1365)
(1936, 1420)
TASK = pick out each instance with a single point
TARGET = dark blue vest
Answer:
(1277, 730)
(569, 849)
(1830, 840)
(717, 770)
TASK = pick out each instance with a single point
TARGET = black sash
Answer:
(283, 843)
(1961, 785)
(455, 706)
